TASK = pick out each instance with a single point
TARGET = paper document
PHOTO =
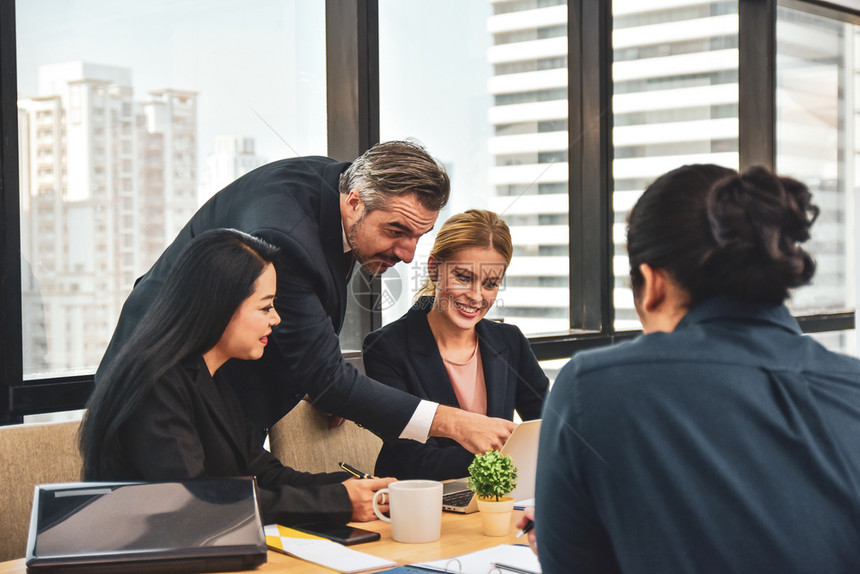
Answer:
(321, 551)
(524, 503)
(517, 558)
(274, 533)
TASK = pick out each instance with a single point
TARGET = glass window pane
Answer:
(55, 417)
(675, 79)
(552, 368)
(130, 115)
(486, 92)
(816, 143)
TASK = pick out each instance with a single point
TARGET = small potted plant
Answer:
(492, 476)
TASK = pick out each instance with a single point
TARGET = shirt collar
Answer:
(719, 308)
(346, 246)
(195, 363)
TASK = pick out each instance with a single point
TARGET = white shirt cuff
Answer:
(419, 425)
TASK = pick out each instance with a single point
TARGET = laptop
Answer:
(209, 525)
(522, 447)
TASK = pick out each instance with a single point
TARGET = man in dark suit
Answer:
(324, 216)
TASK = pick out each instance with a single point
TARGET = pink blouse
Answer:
(468, 382)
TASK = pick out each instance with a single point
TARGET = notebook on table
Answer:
(209, 525)
(522, 447)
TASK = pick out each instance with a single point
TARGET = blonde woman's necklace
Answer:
(458, 358)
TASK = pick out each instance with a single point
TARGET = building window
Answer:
(238, 89)
(675, 103)
(816, 120)
(498, 120)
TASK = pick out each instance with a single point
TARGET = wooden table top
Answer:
(460, 534)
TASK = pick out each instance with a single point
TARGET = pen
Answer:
(509, 568)
(526, 528)
(354, 471)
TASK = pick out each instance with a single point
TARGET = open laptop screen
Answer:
(522, 447)
(210, 524)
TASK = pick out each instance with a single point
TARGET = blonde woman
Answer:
(444, 350)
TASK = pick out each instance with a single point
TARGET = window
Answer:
(816, 121)
(560, 136)
(498, 120)
(189, 84)
(676, 102)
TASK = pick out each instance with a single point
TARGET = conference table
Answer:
(461, 534)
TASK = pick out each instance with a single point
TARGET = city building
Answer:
(105, 182)
(234, 156)
(675, 102)
(530, 152)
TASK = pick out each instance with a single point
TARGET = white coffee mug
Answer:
(416, 510)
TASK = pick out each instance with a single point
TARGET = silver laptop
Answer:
(208, 525)
(522, 447)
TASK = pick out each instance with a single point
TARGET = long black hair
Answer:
(721, 233)
(213, 275)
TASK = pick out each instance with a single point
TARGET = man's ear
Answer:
(654, 287)
(353, 200)
(433, 269)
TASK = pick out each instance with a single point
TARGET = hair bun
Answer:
(758, 220)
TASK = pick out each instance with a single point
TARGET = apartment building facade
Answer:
(105, 182)
(675, 102)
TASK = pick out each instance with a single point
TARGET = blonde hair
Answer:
(472, 228)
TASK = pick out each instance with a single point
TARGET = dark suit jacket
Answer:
(404, 355)
(293, 204)
(191, 426)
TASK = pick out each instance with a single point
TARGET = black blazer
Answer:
(293, 204)
(404, 354)
(191, 426)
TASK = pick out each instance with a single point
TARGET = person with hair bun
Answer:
(163, 410)
(444, 350)
(723, 439)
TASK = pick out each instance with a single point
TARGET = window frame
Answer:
(352, 70)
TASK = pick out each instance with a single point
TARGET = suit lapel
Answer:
(495, 359)
(331, 235)
(425, 356)
(220, 414)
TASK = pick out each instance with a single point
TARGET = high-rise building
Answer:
(234, 156)
(168, 131)
(675, 102)
(97, 203)
(530, 151)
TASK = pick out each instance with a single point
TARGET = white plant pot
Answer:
(496, 516)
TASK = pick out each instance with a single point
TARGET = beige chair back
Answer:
(32, 454)
(303, 441)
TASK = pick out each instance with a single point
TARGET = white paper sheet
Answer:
(332, 555)
(524, 503)
(482, 561)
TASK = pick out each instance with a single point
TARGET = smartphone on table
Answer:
(342, 533)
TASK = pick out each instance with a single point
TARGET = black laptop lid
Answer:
(206, 525)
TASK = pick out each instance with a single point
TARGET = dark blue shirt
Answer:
(729, 445)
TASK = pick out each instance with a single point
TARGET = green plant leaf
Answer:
(492, 475)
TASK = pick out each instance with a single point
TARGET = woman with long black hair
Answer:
(160, 411)
(723, 439)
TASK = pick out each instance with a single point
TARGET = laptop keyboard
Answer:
(461, 498)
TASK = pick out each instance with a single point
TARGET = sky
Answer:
(259, 66)
(247, 60)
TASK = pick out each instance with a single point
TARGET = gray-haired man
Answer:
(324, 216)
